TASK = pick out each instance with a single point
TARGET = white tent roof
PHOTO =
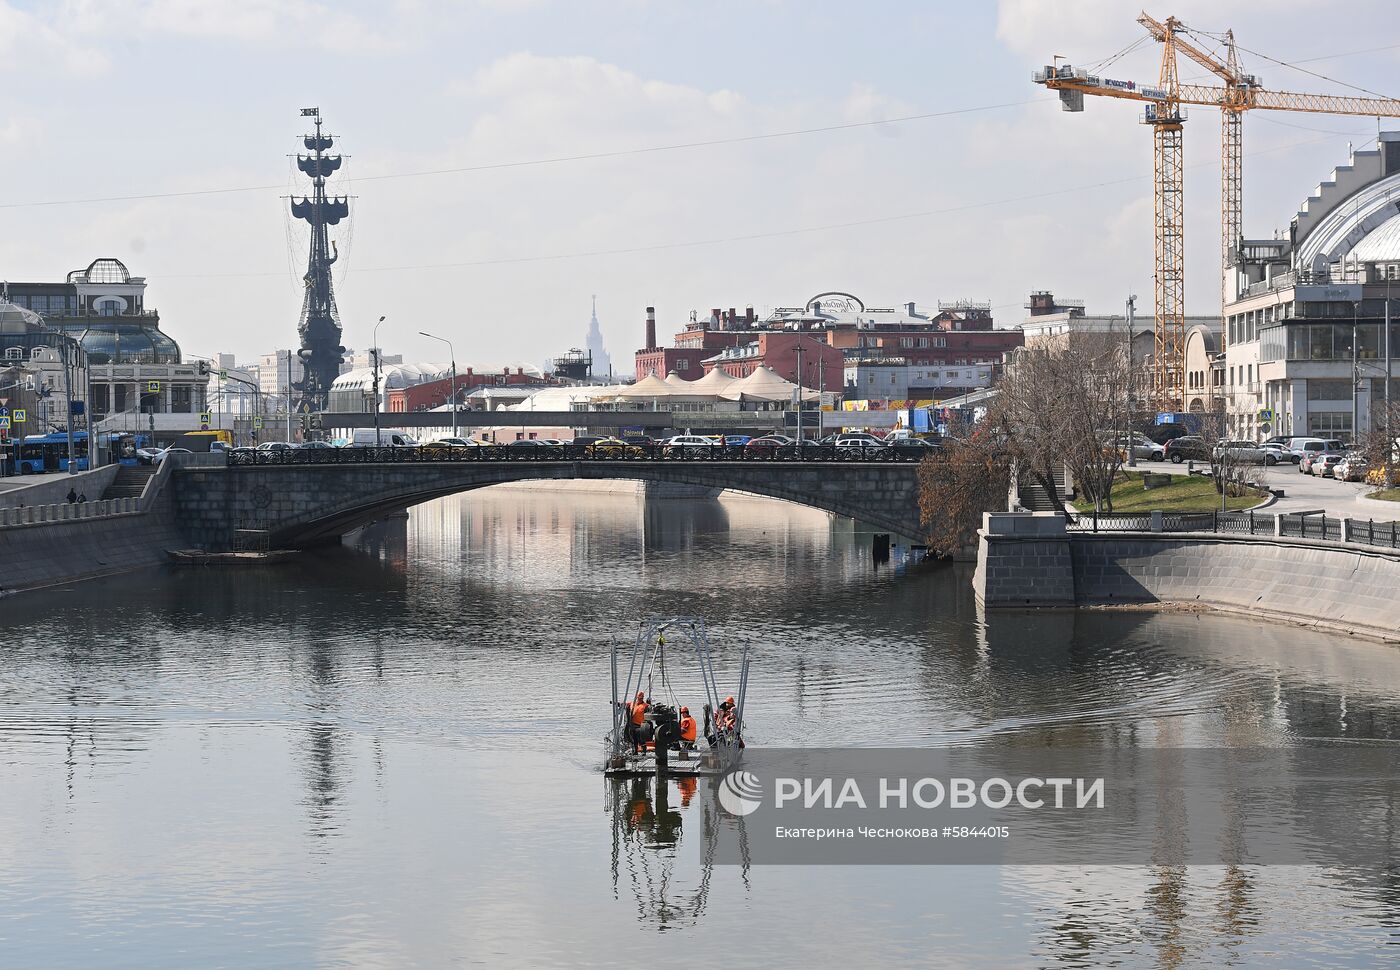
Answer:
(684, 390)
(645, 389)
(764, 384)
(714, 382)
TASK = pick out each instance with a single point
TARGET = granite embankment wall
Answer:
(51, 544)
(53, 489)
(1031, 561)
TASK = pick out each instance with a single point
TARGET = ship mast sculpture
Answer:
(321, 352)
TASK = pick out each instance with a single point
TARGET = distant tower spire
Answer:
(602, 363)
(320, 353)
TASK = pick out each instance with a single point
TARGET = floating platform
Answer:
(644, 765)
(198, 557)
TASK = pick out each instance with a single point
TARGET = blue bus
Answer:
(39, 453)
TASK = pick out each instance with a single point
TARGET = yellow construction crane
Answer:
(1239, 93)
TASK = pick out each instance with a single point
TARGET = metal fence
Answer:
(1293, 525)
(571, 452)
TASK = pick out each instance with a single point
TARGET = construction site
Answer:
(1304, 341)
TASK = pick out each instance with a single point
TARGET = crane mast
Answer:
(1239, 93)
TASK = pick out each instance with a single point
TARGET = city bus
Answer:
(39, 453)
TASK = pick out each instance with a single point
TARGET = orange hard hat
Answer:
(729, 699)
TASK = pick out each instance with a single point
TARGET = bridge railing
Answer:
(570, 452)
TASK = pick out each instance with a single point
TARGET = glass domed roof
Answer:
(126, 342)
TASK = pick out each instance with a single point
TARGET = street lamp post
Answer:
(1128, 319)
(452, 398)
(374, 339)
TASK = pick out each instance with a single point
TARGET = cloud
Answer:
(281, 22)
(30, 44)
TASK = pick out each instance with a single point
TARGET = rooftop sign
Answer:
(836, 302)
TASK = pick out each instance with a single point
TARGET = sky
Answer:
(160, 132)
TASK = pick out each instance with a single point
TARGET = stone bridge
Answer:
(305, 504)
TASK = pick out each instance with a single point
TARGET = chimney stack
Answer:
(714, 317)
(651, 328)
(748, 314)
(909, 309)
(734, 319)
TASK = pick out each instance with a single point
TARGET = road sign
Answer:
(5, 422)
(257, 424)
(1266, 415)
(153, 387)
(223, 375)
(205, 417)
(19, 416)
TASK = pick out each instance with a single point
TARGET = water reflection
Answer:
(669, 878)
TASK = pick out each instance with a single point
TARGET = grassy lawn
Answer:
(1186, 493)
(1386, 494)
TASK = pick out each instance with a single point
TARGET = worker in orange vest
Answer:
(687, 730)
(638, 718)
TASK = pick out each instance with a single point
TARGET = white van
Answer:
(365, 438)
(1300, 448)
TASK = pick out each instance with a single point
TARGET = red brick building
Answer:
(823, 366)
(432, 394)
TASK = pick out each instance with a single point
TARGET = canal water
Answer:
(387, 755)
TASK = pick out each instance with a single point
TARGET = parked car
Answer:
(276, 446)
(855, 438)
(1141, 445)
(167, 452)
(1300, 448)
(310, 446)
(613, 448)
(858, 443)
(459, 442)
(1352, 468)
(147, 456)
(736, 440)
(913, 446)
(542, 447)
(588, 439)
(1191, 447)
(766, 445)
(383, 438)
(1243, 452)
(688, 445)
(1323, 465)
(1305, 464)
(1276, 451)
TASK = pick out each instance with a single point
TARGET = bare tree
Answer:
(1229, 470)
(1380, 443)
(1069, 408)
(1057, 408)
(966, 477)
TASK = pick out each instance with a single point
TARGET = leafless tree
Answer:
(1380, 443)
(968, 476)
(1068, 407)
(1230, 470)
(1059, 407)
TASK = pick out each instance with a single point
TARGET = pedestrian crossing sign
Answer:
(5, 424)
(257, 424)
(19, 416)
(153, 387)
(205, 417)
